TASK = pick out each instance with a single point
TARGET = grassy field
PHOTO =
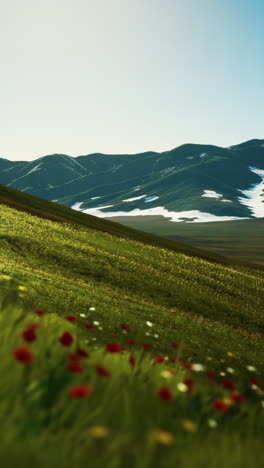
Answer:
(181, 382)
(239, 240)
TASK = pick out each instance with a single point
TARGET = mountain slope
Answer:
(191, 182)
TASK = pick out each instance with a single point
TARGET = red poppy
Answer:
(131, 342)
(190, 384)
(228, 384)
(39, 312)
(102, 371)
(23, 355)
(254, 381)
(73, 357)
(113, 347)
(71, 318)
(66, 339)
(210, 375)
(174, 360)
(29, 335)
(220, 405)
(80, 391)
(237, 397)
(132, 360)
(175, 345)
(88, 326)
(74, 366)
(164, 394)
(125, 327)
(82, 353)
(186, 365)
(160, 359)
(146, 345)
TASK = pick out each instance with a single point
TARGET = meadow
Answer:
(124, 353)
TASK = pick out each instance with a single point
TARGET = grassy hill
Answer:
(174, 337)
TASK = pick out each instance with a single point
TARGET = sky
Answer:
(128, 76)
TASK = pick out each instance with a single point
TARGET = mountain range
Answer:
(193, 183)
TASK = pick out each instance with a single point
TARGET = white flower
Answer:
(251, 368)
(149, 324)
(182, 387)
(156, 336)
(166, 374)
(94, 339)
(197, 367)
(100, 328)
(230, 370)
(96, 323)
(212, 423)
(83, 315)
(91, 308)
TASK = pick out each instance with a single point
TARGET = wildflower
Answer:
(156, 336)
(39, 312)
(220, 405)
(251, 368)
(125, 327)
(230, 354)
(92, 308)
(164, 437)
(149, 324)
(74, 366)
(23, 355)
(22, 288)
(182, 387)
(146, 345)
(113, 347)
(29, 335)
(100, 432)
(5, 277)
(160, 359)
(166, 374)
(188, 425)
(174, 345)
(186, 365)
(209, 358)
(197, 367)
(164, 394)
(71, 318)
(212, 423)
(230, 370)
(102, 371)
(147, 334)
(82, 353)
(222, 374)
(88, 326)
(237, 397)
(82, 315)
(131, 342)
(96, 323)
(255, 382)
(66, 339)
(210, 375)
(132, 360)
(80, 391)
(228, 384)
(189, 383)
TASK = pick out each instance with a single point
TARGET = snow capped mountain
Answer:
(191, 183)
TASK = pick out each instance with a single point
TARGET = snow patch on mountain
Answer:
(211, 194)
(191, 216)
(150, 199)
(189, 157)
(34, 169)
(134, 198)
(202, 155)
(254, 196)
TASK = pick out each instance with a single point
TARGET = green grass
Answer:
(214, 310)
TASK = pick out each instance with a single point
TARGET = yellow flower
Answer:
(100, 432)
(5, 277)
(188, 425)
(164, 437)
(230, 354)
(222, 374)
(209, 358)
(21, 288)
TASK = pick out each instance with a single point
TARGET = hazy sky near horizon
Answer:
(127, 76)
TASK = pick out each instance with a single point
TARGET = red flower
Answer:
(23, 355)
(80, 391)
(88, 326)
(102, 371)
(131, 342)
(164, 394)
(146, 345)
(71, 318)
(186, 365)
(74, 366)
(29, 335)
(210, 375)
(160, 359)
(82, 353)
(254, 381)
(132, 360)
(113, 347)
(66, 339)
(228, 384)
(220, 405)
(189, 383)
(39, 312)
(237, 397)
(125, 327)
(175, 345)
(73, 357)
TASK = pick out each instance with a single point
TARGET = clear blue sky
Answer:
(125, 76)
